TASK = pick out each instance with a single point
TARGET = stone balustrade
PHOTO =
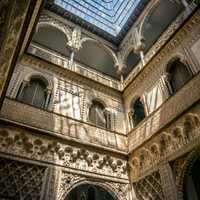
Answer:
(63, 126)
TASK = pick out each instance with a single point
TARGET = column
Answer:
(142, 57)
(47, 99)
(23, 85)
(165, 86)
(168, 182)
(72, 56)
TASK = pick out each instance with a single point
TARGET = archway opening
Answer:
(192, 182)
(96, 56)
(52, 39)
(89, 192)
(179, 74)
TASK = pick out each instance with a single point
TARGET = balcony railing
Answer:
(59, 125)
(58, 59)
(169, 110)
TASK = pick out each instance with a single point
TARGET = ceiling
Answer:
(110, 19)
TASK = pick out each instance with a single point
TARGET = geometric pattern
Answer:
(20, 180)
(149, 188)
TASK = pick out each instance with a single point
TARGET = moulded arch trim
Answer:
(147, 15)
(106, 187)
(47, 81)
(99, 100)
(56, 24)
(172, 58)
(101, 45)
(133, 101)
(188, 163)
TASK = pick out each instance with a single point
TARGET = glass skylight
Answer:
(108, 15)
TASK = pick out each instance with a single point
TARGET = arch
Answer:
(108, 188)
(109, 50)
(34, 92)
(173, 58)
(98, 56)
(186, 167)
(137, 113)
(179, 73)
(147, 15)
(98, 114)
(154, 21)
(47, 80)
(48, 21)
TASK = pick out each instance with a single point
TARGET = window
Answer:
(179, 74)
(34, 93)
(98, 115)
(138, 113)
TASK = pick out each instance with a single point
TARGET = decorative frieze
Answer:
(69, 181)
(20, 143)
(178, 138)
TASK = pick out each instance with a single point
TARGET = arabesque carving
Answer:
(23, 144)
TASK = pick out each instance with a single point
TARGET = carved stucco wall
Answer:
(68, 165)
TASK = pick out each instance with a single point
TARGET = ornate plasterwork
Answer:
(20, 143)
(69, 181)
(149, 187)
(181, 167)
(19, 180)
(179, 138)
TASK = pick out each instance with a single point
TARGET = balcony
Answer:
(169, 111)
(62, 126)
(64, 62)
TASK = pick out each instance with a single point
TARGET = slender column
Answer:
(165, 85)
(142, 57)
(48, 98)
(23, 85)
(168, 182)
(72, 56)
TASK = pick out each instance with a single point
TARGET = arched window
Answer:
(91, 193)
(34, 93)
(179, 74)
(98, 115)
(138, 113)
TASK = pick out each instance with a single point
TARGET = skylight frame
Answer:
(110, 19)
